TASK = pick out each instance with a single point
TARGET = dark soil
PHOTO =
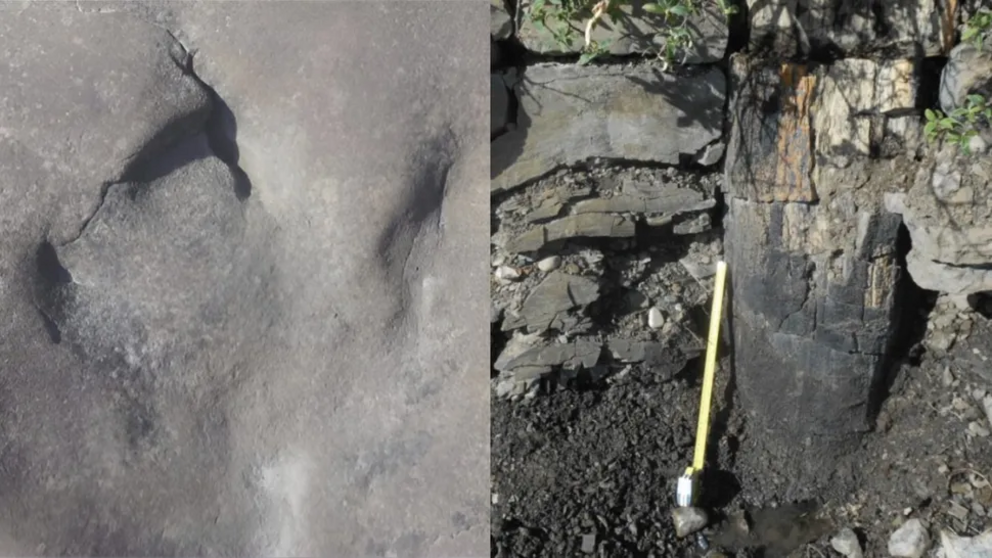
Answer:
(602, 460)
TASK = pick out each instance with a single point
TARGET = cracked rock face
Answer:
(230, 307)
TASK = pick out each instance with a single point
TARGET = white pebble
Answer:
(846, 542)
(506, 273)
(550, 263)
(655, 319)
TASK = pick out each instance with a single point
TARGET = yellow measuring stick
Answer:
(702, 430)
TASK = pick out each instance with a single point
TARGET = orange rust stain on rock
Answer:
(947, 25)
(793, 172)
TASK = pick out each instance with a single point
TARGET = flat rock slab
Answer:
(554, 303)
(589, 225)
(229, 315)
(635, 31)
(568, 114)
(575, 355)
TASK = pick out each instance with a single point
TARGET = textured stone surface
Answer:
(229, 321)
(635, 31)
(968, 71)
(947, 212)
(896, 29)
(910, 540)
(955, 546)
(568, 114)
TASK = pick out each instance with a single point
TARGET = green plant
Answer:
(977, 27)
(559, 18)
(961, 125)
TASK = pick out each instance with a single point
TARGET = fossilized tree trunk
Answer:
(812, 252)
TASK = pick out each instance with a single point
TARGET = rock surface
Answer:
(634, 32)
(966, 547)
(568, 114)
(947, 212)
(846, 542)
(501, 22)
(212, 345)
(688, 520)
(901, 28)
(968, 71)
(909, 541)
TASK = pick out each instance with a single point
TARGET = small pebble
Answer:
(958, 511)
(846, 542)
(655, 319)
(909, 541)
(550, 263)
(976, 429)
(506, 273)
(588, 543)
(688, 520)
(947, 378)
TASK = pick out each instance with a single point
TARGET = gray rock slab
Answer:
(578, 354)
(673, 201)
(243, 327)
(635, 31)
(550, 303)
(588, 225)
(568, 114)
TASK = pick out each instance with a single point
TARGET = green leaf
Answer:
(681, 10)
(968, 33)
(953, 136)
(654, 9)
(976, 99)
(587, 57)
(931, 115)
